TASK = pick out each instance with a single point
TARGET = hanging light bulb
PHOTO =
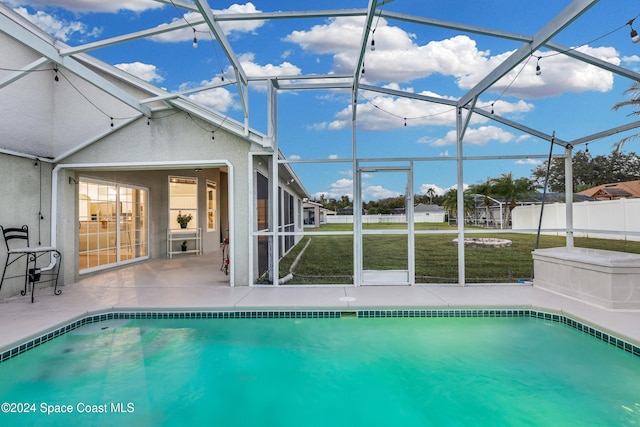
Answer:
(492, 108)
(373, 45)
(363, 68)
(587, 150)
(195, 39)
(55, 78)
(538, 70)
(405, 122)
(635, 38)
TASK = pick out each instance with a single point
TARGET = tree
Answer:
(634, 101)
(589, 171)
(486, 190)
(450, 202)
(511, 191)
(431, 193)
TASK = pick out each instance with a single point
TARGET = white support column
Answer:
(460, 201)
(568, 191)
(357, 200)
(274, 205)
(411, 250)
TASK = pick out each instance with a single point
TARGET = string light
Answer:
(635, 38)
(195, 39)
(111, 121)
(370, 102)
(538, 70)
(55, 77)
(587, 150)
(373, 44)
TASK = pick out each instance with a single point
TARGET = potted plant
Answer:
(183, 220)
(184, 246)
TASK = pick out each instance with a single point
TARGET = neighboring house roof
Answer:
(613, 191)
(348, 211)
(421, 207)
(559, 198)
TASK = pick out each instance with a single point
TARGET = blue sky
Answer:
(569, 97)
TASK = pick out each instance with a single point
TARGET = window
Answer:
(113, 224)
(262, 222)
(211, 206)
(183, 200)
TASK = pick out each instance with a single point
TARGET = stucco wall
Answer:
(25, 190)
(180, 144)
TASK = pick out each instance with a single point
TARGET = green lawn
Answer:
(329, 259)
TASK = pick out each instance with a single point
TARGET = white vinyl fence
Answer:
(606, 219)
(372, 219)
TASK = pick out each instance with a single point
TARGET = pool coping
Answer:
(34, 340)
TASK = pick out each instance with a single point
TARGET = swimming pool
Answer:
(331, 371)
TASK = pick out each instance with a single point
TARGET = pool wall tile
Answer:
(325, 314)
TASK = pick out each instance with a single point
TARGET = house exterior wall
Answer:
(156, 181)
(56, 119)
(25, 193)
(174, 140)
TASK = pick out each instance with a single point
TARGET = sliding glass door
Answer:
(113, 225)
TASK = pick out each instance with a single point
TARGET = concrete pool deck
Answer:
(192, 283)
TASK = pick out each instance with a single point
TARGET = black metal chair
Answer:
(17, 242)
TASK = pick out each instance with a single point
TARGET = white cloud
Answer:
(248, 26)
(477, 136)
(440, 191)
(504, 108)
(424, 189)
(59, 29)
(559, 74)
(318, 126)
(632, 58)
(534, 162)
(218, 99)
(247, 61)
(399, 58)
(377, 192)
(146, 72)
(382, 112)
(337, 35)
(93, 5)
(230, 28)
(294, 157)
(333, 156)
(342, 187)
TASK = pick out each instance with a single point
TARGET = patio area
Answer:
(196, 283)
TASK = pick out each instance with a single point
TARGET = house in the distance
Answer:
(614, 191)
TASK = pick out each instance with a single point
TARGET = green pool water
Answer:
(323, 372)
